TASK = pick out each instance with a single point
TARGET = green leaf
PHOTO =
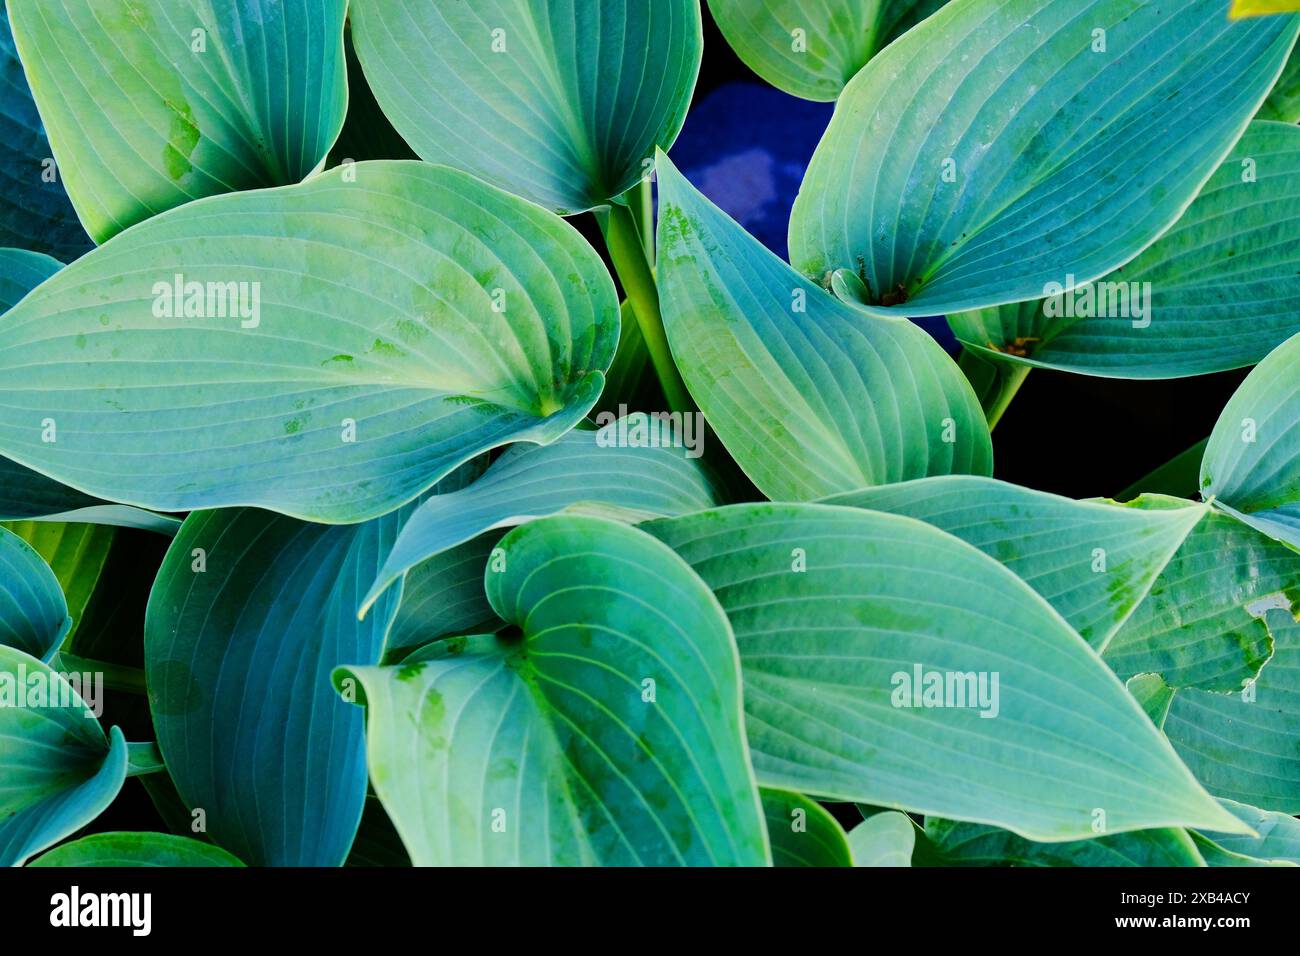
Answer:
(801, 832)
(883, 839)
(1252, 464)
(808, 395)
(1217, 291)
(605, 728)
(1093, 562)
(444, 597)
(76, 553)
(1153, 695)
(249, 615)
(835, 609)
(1283, 104)
(1215, 855)
(948, 843)
(562, 103)
(58, 771)
(995, 148)
(20, 272)
(633, 469)
(35, 212)
(153, 103)
(23, 492)
(400, 325)
(33, 613)
(136, 849)
(1277, 839)
(1202, 622)
(812, 48)
(1246, 746)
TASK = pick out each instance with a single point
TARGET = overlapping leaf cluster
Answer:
(422, 603)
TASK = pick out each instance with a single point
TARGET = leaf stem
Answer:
(995, 383)
(116, 676)
(143, 758)
(627, 251)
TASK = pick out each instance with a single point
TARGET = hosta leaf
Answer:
(1093, 562)
(249, 615)
(1216, 855)
(948, 843)
(559, 101)
(811, 48)
(1218, 291)
(1252, 464)
(444, 597)
(1283, 104)
(76, 553)
(23, 492)
(1246, 746)
(835, 609)
(401, 324)
(801, 832)
(809, 396)
(35, 212)
(607, 730)
(58, 770)
(20, 272)
(152, 103)
(1277, 839)
(883, 839)
(33, 613)
(635, 468)
(1202, 623)
(1000, 147)
(136, 849)
(1153, 695)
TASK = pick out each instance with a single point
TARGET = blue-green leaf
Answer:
(605, 728)
(808, 395)
(948, 843)
(136, 849)
(35, 212)
(394, 320)
(812, 48)
(249, 615)
(1000, 147)
(1218, 291)
(33, 613)
(58, 770)
(801, 832)
(1252, 464)
(1245, 746)
(152, 103)
(883, 839)
(562, 102)
(1093, 562)
(846, 619)
(1277, 835)
(634, 468)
